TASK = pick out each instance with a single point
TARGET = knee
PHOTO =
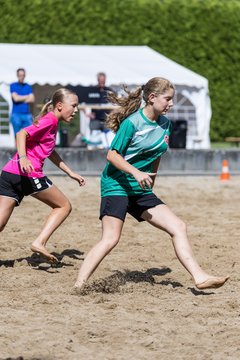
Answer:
(2, 225)
(110, 243)
(180, 227)
(67, 207)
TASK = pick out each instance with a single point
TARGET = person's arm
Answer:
(58, 161)
(91, 115)
(19, 98)
(30, 99)
(143, 179)
(25, 164)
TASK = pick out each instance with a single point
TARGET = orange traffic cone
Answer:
(225, 171)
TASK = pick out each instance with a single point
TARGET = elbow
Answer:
(111, 155)
(20, 134)
(108, 157)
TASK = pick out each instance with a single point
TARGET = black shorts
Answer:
(119, 206)
(16, 186)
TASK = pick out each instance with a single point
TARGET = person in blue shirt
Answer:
(22, 96)
(142, 136)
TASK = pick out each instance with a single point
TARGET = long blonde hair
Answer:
(58, 96)
(127, 105)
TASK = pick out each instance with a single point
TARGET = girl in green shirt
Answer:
(142, 136)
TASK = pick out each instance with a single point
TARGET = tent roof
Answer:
(78, 65)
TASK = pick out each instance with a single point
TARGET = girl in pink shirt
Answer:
(23, 174)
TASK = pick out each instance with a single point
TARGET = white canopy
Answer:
(78, 65)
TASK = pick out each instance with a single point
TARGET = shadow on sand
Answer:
(36, 261)
(113, 283)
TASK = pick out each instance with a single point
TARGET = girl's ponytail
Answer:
(58, 96)
(45, 109)
(127, 105)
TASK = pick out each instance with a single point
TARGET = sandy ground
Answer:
(142, 303)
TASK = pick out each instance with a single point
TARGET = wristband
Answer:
(20, 157)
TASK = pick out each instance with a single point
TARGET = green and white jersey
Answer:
(140, 142)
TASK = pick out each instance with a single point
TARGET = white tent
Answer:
(78, 65)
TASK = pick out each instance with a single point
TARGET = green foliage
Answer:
(202, 35)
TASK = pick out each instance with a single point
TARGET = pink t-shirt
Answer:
(39, 145)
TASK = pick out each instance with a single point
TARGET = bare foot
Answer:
(212, 283)
(79, 289)
(43, 251)
(79, 284)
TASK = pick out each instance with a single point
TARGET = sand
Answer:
(141, 304)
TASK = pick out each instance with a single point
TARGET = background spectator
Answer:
(22, 96)
(100, 135)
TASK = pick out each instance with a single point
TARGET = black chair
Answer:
(178, 137)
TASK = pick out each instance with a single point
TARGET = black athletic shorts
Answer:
(17, 186)
(119, 206)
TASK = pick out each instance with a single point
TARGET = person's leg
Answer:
(6, 208)
(16, 123)
(61, 208)
(111, 232)
(95, 134)
(110, 136)
(163, 218)
(26, 120)
(103, 138)
(104, 143)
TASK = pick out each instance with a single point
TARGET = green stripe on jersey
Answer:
(140, 142)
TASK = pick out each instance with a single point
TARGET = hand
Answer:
(144, 179)
(78, 178)
(26, 165)
(29, 98)
(92, 116)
